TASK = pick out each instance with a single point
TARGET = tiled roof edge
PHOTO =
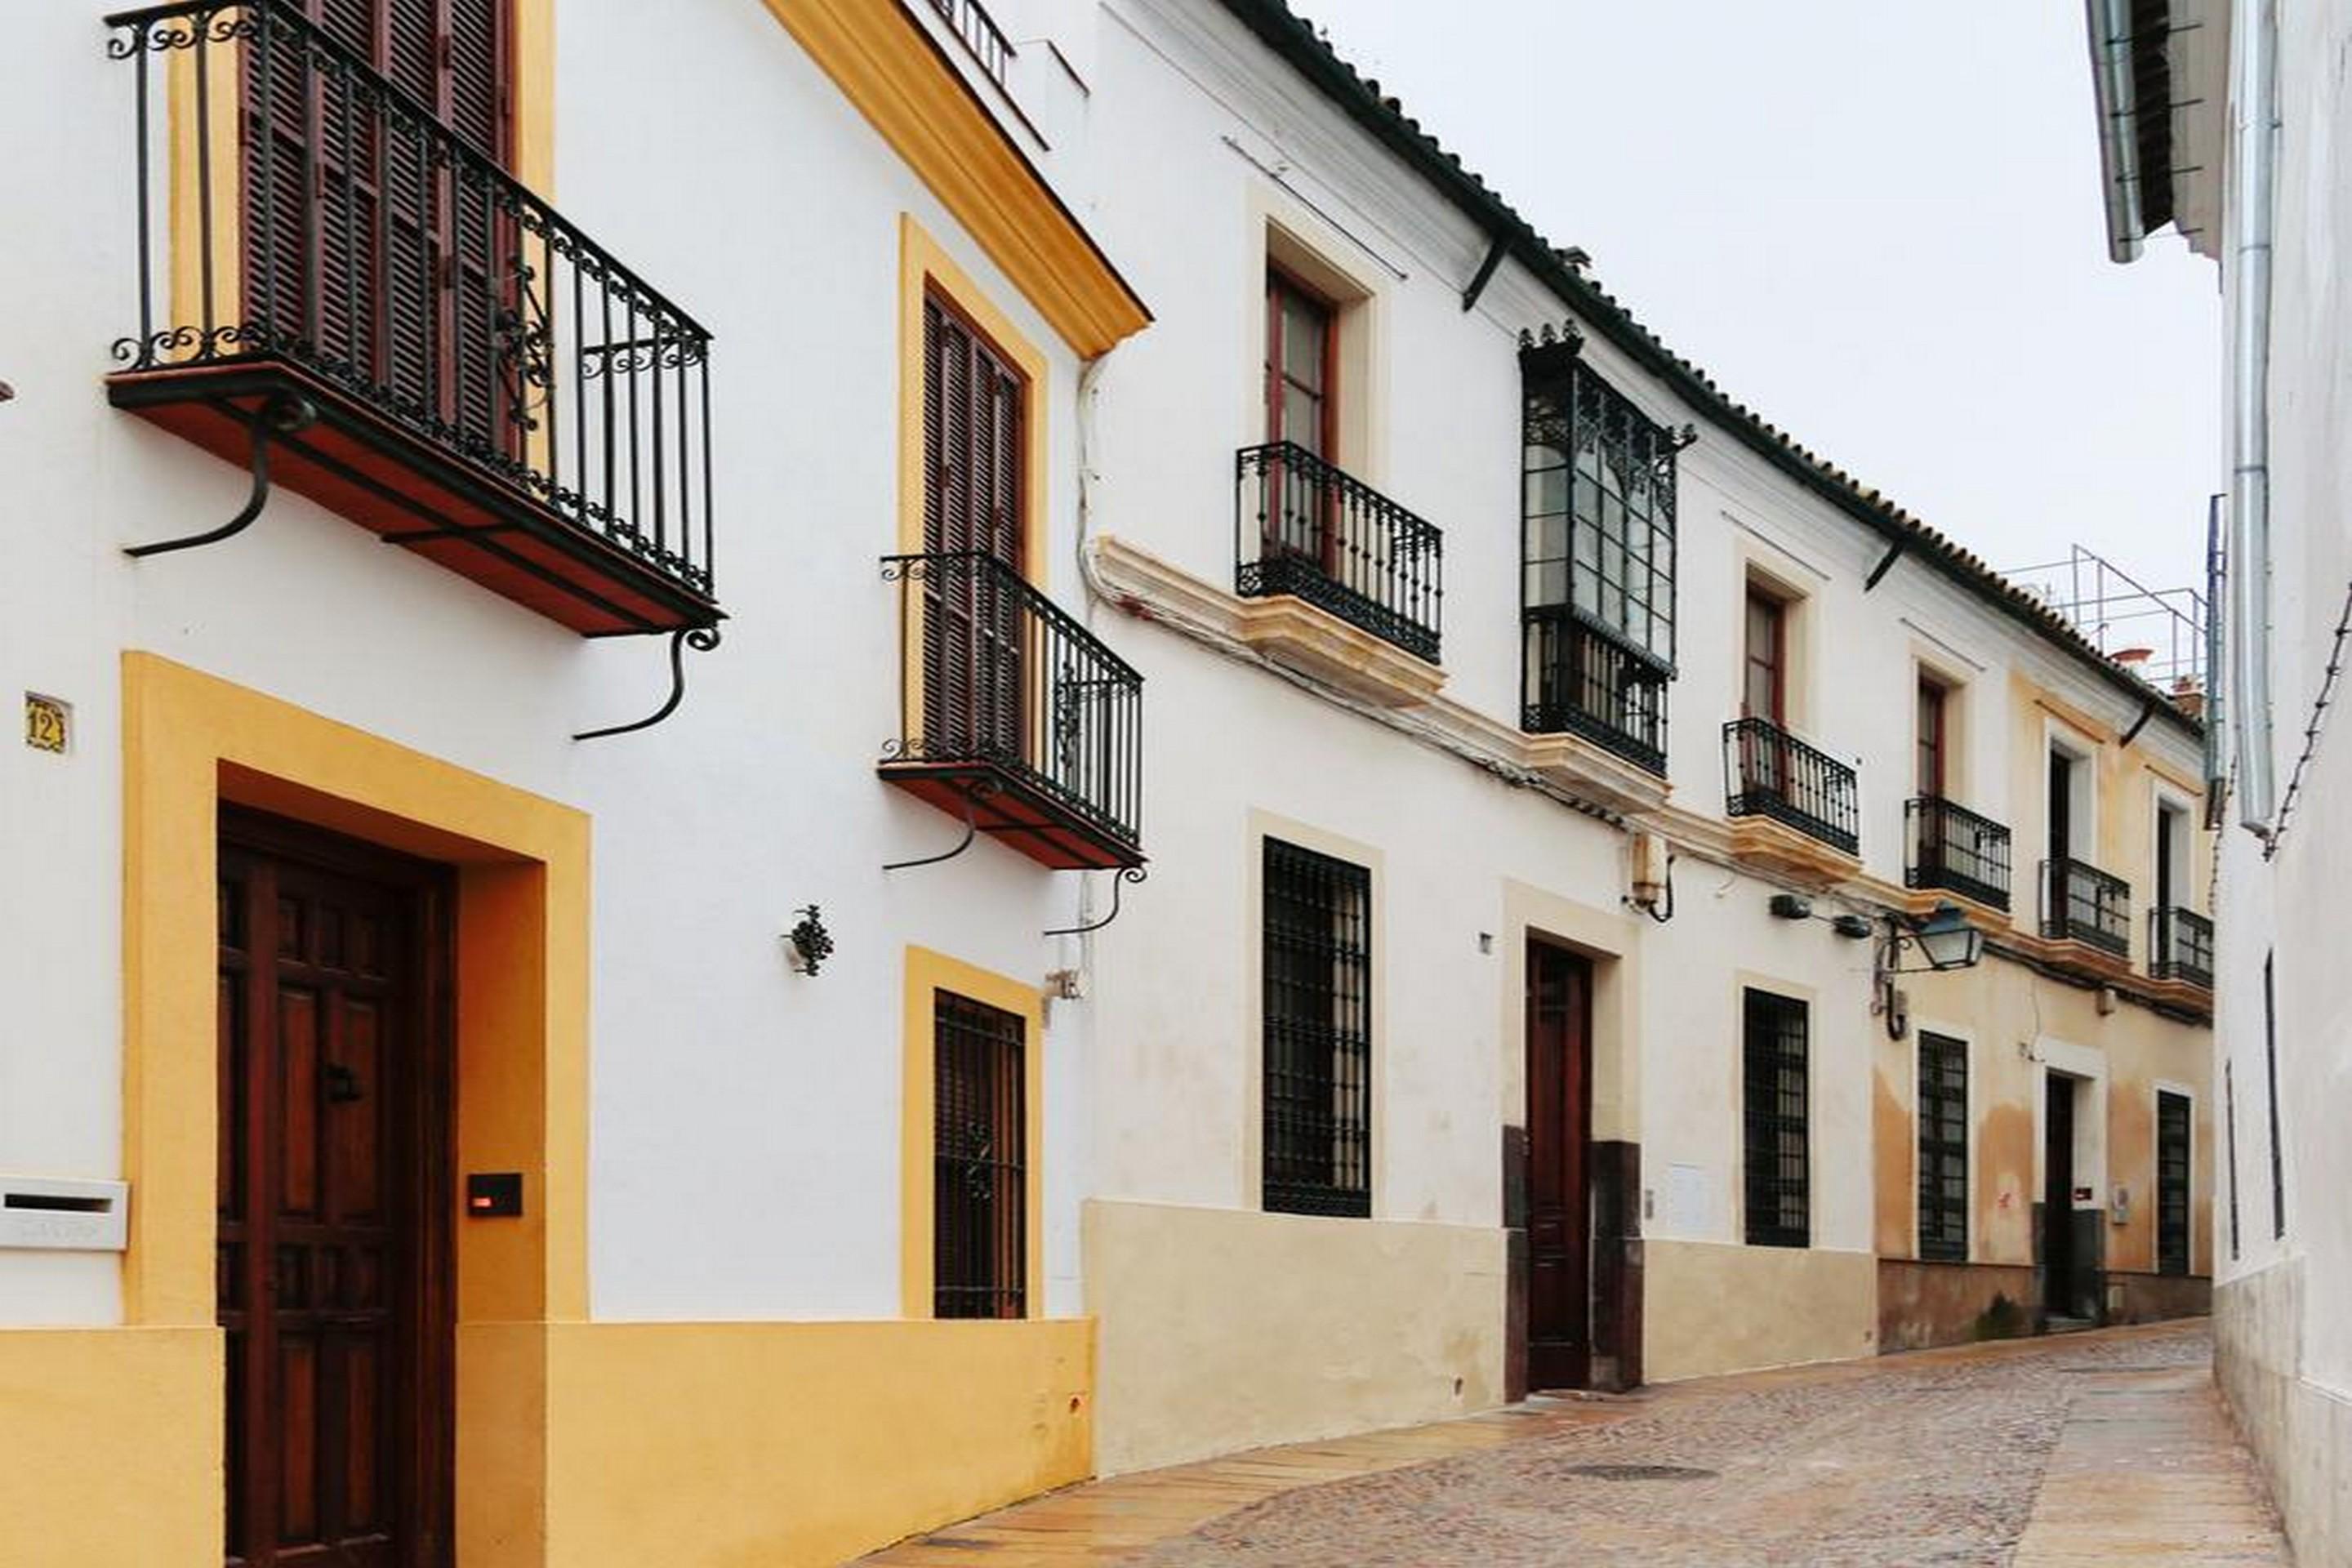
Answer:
(1291, 36)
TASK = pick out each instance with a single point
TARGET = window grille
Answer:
(1780, 1199)
(1943, 1149)
(1317, 1033)
(2172, 1183)
(1597, 594)
(980, 1183)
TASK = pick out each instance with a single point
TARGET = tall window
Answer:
(355, 242)
(1317, 1033)
(1780, 1179)
(1930, 726)
(1765, 692)
(2270, 1064)
(980, 1174)
(1299, 355)
(973, 474)
(1597, 594)
(2172, 1183)
(1943, 1148)
(2230, 1124)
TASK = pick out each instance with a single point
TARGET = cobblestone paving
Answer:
(1896, 1461)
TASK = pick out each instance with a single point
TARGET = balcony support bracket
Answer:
(282, 413)
(1117, 885)
(973, 791)
(702, 639)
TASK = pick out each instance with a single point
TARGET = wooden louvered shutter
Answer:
(972, 664)
(361, 247)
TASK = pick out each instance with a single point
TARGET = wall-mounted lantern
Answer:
(1944, 939)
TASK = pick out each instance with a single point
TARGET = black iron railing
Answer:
(2082, 904)
(997, 674)
(1587, 684)
(323, 219)
(981, 34)
(1305, 528)
(1769, 773)
(2181, 946)
(1952, 846)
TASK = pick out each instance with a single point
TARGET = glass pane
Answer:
(1546, 538)
(1302, 420)
(1547, 491)
(1303, 334)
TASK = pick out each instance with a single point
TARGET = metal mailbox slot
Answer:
(64, 1213)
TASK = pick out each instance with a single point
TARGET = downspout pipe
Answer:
(2253, 176)
(2117, 96)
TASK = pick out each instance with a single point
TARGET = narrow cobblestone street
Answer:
(2108, 1447)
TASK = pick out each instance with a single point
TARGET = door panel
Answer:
(2058, 1198)
(1559, 1136)
(333, 1256)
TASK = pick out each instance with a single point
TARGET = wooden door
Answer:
(1301, 363)
(333, 1195)
(2058, 1262)
(1560, 1140)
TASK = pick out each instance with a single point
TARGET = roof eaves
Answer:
(1292, 38)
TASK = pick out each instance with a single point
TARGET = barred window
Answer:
(980, 1177)
(1317, 1033)
(1943, 1148)
(1780, 1196)
(2172, 1183)
(1598, 548)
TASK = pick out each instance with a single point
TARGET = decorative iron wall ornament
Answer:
(811, 944)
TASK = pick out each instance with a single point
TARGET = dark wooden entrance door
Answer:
(2058, 1198)
(1560, 1160)
(333, 1278)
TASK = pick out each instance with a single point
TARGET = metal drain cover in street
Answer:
(1642, 1472)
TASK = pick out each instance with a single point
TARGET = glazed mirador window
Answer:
(1598, 594)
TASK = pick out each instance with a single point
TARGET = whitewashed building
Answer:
(1458, 984)
(2225, 122)
(607, 602)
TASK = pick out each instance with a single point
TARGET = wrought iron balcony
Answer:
(2082, 904)
(1953, 847)
(979, 33)
(1769, 773)
(2181, 946)
(1305, 528)
(362, 304)
(1585, 683)
(1014, 715)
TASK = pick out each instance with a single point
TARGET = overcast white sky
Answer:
(1876, 222)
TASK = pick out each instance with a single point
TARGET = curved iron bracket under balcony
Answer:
(1304, 528)
(481, 384)
(1013, 718)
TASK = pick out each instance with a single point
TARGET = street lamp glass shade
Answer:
(1947, 940)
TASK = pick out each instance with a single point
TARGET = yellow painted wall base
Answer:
(688, 1445)
(797, 1445)
(1226, 1328)
(111, 1439)
(1708, 1307)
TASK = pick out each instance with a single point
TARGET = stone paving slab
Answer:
(2095, 1448)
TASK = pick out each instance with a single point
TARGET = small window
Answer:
(2172, 1183)
(1932, 699)
(980, 1177)
(1765, 695)
(1318, 961)
(1943, 1148)
(1779, 1193)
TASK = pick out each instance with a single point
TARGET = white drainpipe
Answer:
(2254, 165)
